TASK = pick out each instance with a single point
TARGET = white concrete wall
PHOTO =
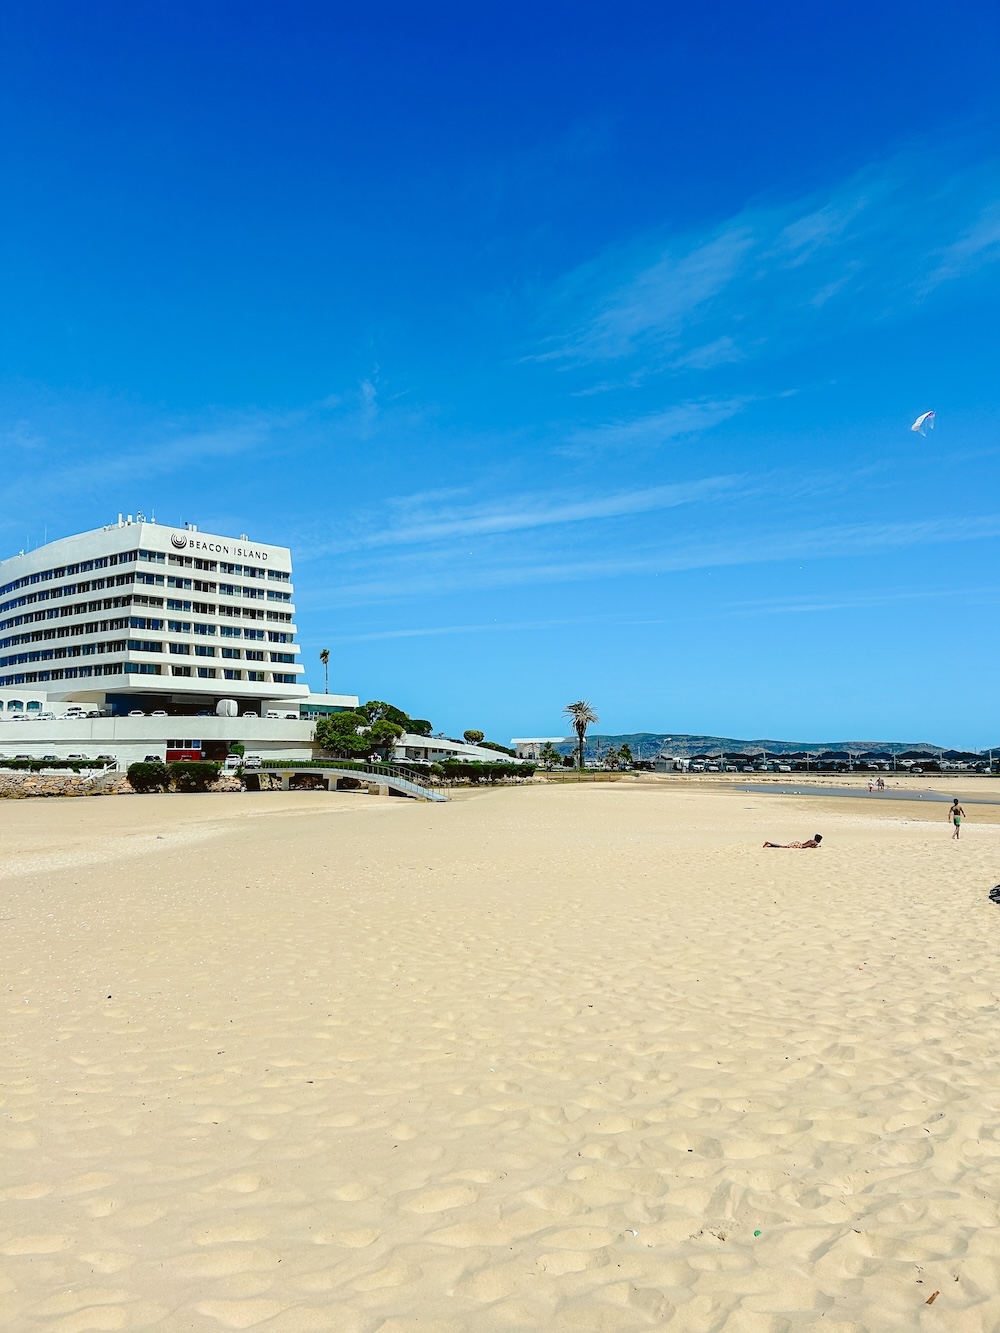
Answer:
(131, 738)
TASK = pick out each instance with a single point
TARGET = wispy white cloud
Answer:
(774, 273)
(440, 572)
(423, 523)
(655, 428)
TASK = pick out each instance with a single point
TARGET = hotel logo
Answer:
(178, 541)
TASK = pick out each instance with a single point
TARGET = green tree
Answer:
(383, 734)
(550, 756)
(419, 726)
(343, 734)
(473, 737)
(324, 657)
(582, 716)
(376, 710)
(611, 757)
(625, 757)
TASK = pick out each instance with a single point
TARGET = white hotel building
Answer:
(138, 617)
(137, 613)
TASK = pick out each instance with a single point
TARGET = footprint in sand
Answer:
(393, 1275)
(240, 1314)
(42, 1244)
(440, 1200)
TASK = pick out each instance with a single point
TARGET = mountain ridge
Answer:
(684, 745)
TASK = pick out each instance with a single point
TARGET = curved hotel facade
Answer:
(138, 615)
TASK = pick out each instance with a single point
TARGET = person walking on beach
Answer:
(956, 814)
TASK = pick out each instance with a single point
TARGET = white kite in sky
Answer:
(923, 423)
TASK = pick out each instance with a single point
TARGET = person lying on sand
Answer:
(814, 841)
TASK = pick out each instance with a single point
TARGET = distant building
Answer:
(531, 747)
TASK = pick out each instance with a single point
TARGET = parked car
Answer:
(78, 758)
(137, 712)
(252, 761)
(46, 717)
(50, 758)
(152, 759)
(747, 768)
(251, 713)
(233, 762)
(22, 756)
(159, 712)
(784, 768)
(917, 772)
(203, 712)
(107, 759)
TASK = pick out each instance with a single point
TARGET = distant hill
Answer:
(657, 742)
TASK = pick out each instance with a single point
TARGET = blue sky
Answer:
(573, 348)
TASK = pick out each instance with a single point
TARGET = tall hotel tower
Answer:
(141, 616)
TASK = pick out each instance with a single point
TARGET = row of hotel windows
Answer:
(148, 580)
(140, 646)
(140, 669)
(136, 622)
(82, 608)
(205, 650)
(153, 557)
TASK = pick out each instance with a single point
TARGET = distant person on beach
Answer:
(814, 841)
(956, 814)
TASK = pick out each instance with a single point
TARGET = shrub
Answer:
(193, 776)
(148, 777)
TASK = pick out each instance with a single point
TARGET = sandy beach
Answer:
(572, 1058)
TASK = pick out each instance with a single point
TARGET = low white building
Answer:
(435, 749)
(531, 747)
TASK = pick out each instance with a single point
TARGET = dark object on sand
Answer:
(995, 894)
(814, 841)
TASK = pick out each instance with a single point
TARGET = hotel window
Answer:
(179, 626)
(253, 655)
(203, 629)
(173, 582)
(180, 649)
(282, 679)
(144, 646)
(142, 669)
(228, 589)
(255, 675)
(283, 657)
(184, 560)
(273, 596)
(210, 565)
(253, 634)
(278, 575)
(203, 650)
(233, 675)
(230, 652)
(174, 604)
(181, 671)
(206, 673)
(230, 631)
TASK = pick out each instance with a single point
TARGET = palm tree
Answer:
(324, 657)
(581, 715)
